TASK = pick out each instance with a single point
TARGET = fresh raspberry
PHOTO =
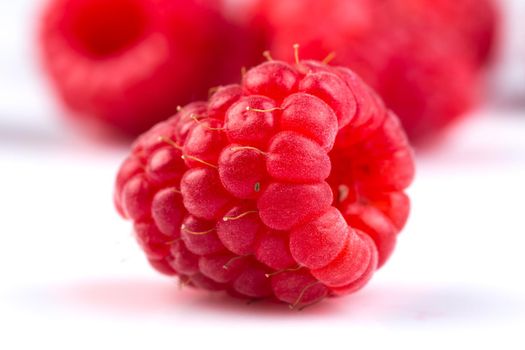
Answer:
(130, 63)
(421, 56)
(288, 186)
(474, 23)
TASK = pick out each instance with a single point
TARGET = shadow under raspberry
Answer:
(387, 304)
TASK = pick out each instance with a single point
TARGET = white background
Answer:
(72, 277)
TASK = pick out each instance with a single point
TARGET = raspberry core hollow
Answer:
(126, 64)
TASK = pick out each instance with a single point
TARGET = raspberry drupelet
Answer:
(289, 186)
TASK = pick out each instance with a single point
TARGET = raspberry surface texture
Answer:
(288, 186)
(423, 57)
(129, 63)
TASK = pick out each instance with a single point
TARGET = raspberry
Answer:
(475, 23)
(421, 56)
(129, 63)
(291, 187)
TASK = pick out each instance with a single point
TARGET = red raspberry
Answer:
(421, 56)
(288, 186)
(474, 23)
(130, 63)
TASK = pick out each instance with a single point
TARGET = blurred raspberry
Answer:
(421, 56)
(473, 23)
(129, 63)
(289, 186)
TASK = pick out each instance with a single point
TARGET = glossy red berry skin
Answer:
(300, 198)
(128, 64)
(423, 57)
